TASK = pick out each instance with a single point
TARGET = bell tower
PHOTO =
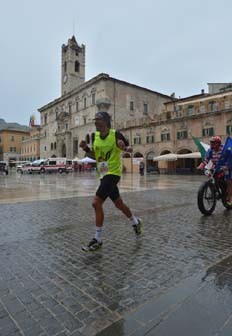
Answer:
(72, 66)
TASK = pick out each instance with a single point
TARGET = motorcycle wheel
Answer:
(206, 198)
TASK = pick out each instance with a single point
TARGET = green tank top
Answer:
(107, 155)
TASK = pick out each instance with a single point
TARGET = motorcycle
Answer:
(212, 190)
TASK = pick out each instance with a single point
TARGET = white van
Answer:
(57, 165)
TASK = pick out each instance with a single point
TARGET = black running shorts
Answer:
(108, 187)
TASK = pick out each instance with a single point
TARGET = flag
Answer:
(32, 120)
(226, 155)
(202, 147)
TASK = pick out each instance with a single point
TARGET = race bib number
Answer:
(103, 168)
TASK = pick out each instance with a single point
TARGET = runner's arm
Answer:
(89, 152)
(122, 142)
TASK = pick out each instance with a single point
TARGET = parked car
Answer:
(4, 167)
(24, 168)
(20, 165)
(30, 167)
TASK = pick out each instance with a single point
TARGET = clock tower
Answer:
(72, 66)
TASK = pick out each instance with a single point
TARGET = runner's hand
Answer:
(83, 144)
(121, 144)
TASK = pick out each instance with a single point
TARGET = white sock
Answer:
(98, 233)
(134, 220)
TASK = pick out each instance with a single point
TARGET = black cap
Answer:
(104, 116)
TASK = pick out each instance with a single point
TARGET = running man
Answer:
(107, 146)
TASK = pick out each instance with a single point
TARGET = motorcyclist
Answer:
(213, 154)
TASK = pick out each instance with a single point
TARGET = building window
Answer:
(93, 98)
(12, 138)
(45, 119)
(190, 110)
(51, 146)
(54, 145)
(150, 139)
(0, 139)
(56, 115)
(145, 108)
(208, 131)
(77, 106)
(70, 108)
(65, 66)
(212, 106)
(45, 148)
(137, 140)
(85, 103)
(131, 105)
(177, 110)
(77, 66)
(66, 126)
(84, 120)
(228, 129)
(182, 135)
(165, 137)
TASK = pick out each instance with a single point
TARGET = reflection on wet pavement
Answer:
(175, 280)
(19, 188)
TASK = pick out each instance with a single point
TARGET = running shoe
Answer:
(93, 245)
(138, 229)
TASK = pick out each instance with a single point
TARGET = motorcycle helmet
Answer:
(215, 142)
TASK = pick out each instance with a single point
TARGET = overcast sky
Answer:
(164, 45)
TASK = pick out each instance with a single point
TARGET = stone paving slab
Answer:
(48, 286)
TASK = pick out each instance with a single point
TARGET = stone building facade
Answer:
(30, 148)
(69, 119)
(202, 116)
(11, 137)
(154, 123)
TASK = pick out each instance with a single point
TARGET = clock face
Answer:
(65, 78)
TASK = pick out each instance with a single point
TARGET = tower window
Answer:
(85, 103)
(131, 105)
(93, 98)
(65, 66)
(77, 66)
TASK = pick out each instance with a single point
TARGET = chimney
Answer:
(202, 91)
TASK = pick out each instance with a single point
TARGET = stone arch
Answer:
(165, 151)
(149, 163)
(126, 155)
(186, 165)
(138, 155)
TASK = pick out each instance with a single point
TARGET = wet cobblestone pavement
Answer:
(175, 280)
